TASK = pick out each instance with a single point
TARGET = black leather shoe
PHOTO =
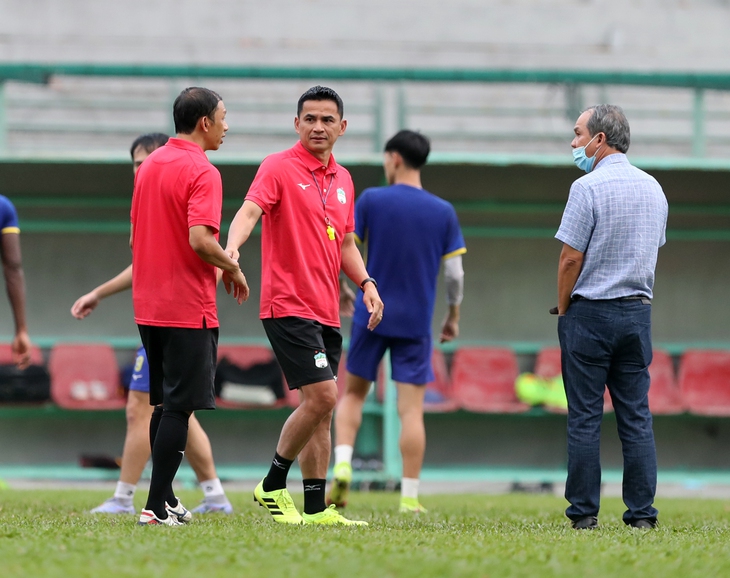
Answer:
(587, 523)
(644, 523)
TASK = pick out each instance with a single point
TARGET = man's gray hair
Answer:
(610, 120)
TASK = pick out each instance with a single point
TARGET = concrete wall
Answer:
(618, 34)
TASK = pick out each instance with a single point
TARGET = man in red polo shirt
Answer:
(307, 203)
(176, 212)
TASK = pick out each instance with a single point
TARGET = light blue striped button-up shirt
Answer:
(617, 216)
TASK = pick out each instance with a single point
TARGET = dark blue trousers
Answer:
(608, 343)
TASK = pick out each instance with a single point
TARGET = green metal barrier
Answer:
(41, 73)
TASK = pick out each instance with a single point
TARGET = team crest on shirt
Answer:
(320, 360)
(341, 196)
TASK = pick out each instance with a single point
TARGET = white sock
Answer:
(343, 453)
(213, 489)
(125, 492)
(409, 488)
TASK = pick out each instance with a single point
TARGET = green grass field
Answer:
(49, 533)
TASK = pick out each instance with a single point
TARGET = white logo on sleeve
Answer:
(304, 187)
(341, 196)
(320, 360)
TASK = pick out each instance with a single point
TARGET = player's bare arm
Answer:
(15, 284)
(205, 245)
(241, 227)
(85, 304)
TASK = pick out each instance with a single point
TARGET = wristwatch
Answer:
(368, 280)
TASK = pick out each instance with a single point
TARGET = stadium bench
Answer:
(483, 380)
(85, 376)
(245, 356)
(704, 382)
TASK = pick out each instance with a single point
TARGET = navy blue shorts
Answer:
(141, 374)
(410, 358)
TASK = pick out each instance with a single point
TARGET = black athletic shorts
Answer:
(182, 366)
(307, 351)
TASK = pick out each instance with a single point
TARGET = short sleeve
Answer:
(454, 242)
(206, 199)
(361, 212)
(265, 190)
(578, 222)
(663, 239)
(8, 217)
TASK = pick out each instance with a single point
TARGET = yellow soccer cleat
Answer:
(340, 488)
(279, 504)
(331, 517)
(411, 506)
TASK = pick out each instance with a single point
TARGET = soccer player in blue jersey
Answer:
(14, 280)
(136, 450)
(409, 232)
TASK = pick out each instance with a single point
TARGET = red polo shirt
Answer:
(300, 264)
(176, 188)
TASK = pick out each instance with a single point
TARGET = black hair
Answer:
(321, 93)
(191, 105)
(412, 146)
(148, 142)
(610, 120)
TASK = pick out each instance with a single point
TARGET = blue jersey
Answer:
(408, 231)
(8, 217)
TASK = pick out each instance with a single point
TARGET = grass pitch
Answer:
(49, 533)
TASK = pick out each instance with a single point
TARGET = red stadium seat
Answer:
(547, 365)
(85, 376)
(704, 382)
(483, 380)
(245, 356)
(664, 395)
(6, 354)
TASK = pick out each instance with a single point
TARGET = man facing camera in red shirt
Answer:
(305, 200)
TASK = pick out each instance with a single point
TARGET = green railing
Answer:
(696, 117)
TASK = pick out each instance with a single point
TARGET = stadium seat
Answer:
(483, 380)
(245, 356)
(85, 376)
(704, 382)
(664, 395)
(547, 365)
(6, 355)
